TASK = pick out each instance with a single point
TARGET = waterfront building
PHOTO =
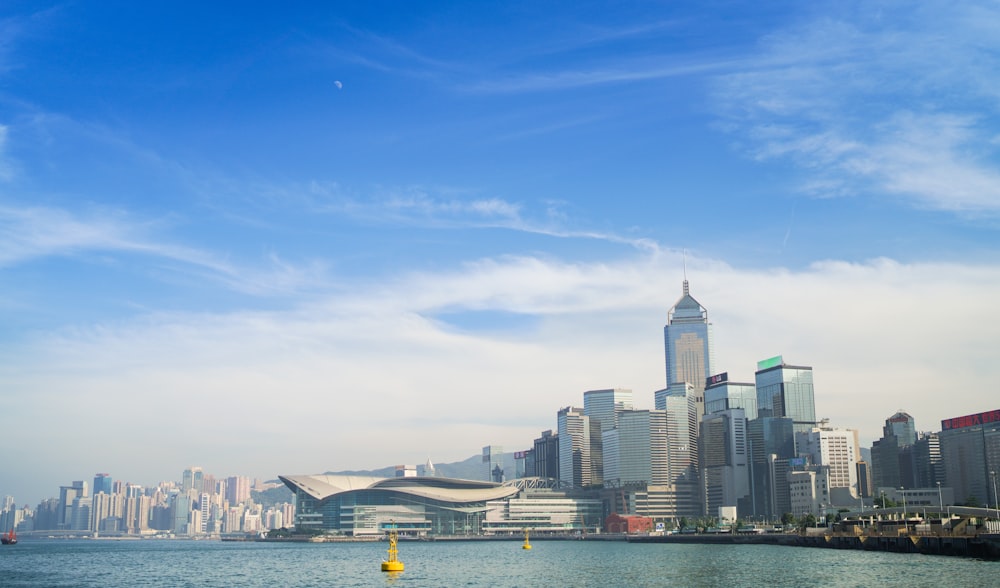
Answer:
(546, 450)
(970, 450)
(669, 502)
(809, 490)
(367, 505)
(724, 461)
(542, 511)
(771, 443)
(687, 339)
(864, 479)
(892, 457)
(574, 447)
(785, 390)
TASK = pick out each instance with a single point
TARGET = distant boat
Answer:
(9, 538)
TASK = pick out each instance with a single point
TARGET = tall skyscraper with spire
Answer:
(687, 339)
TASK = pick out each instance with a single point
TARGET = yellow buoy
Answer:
(393, 564)
(526, 544)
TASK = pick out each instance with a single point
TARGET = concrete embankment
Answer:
(980, 546)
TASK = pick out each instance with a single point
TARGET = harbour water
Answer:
(169, 563)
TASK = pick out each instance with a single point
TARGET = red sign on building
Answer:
(971, 420)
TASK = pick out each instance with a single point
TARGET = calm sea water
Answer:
(112, 564)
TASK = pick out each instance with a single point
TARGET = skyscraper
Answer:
(786, 391)
(493, 458)
(102, 483)
(682, 430)
(574, 447)
(687, 339)
(721, 394)
(603, 408)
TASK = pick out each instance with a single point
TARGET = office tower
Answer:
(724, 461)
(809, 490)
(603, 408)
(678, 401)
(970, 450)
(892, 460)
(786, 391)
(687, 339)
(102, 483)
(903, 427)
(642, 447)
(865, 479)
(192, 479)
(429, 470)
(574, 447)
(838, 450)
(521, 462)
(493, 458)
(237, 489)
(546, 449)
(772, 445)
(721, 394)
(928, 469)
(181, 513)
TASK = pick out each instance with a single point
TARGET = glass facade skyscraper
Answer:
(786, 391)
(687, 339)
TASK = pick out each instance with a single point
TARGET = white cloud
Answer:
(338, 385)
(899, 103)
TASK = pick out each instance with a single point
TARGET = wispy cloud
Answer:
(581, 77)
(31, 233)
(889, 101)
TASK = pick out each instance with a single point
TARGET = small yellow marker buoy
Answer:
(526, 544)
(393, 564)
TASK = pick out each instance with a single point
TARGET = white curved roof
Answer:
(324, 486)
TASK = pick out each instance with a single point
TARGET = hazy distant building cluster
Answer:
(200, 505)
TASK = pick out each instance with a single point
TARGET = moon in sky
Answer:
(338, 84)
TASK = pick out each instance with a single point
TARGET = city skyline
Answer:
(309, 238)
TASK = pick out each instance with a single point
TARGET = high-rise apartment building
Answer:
(574, 447)
(687, 339)
(237, 489)
(785, 390)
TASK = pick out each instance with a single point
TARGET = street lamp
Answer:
(996, 503)
(902, 493)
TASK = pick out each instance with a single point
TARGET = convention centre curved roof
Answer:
(323, 486)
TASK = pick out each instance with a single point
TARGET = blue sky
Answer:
(274, 239)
